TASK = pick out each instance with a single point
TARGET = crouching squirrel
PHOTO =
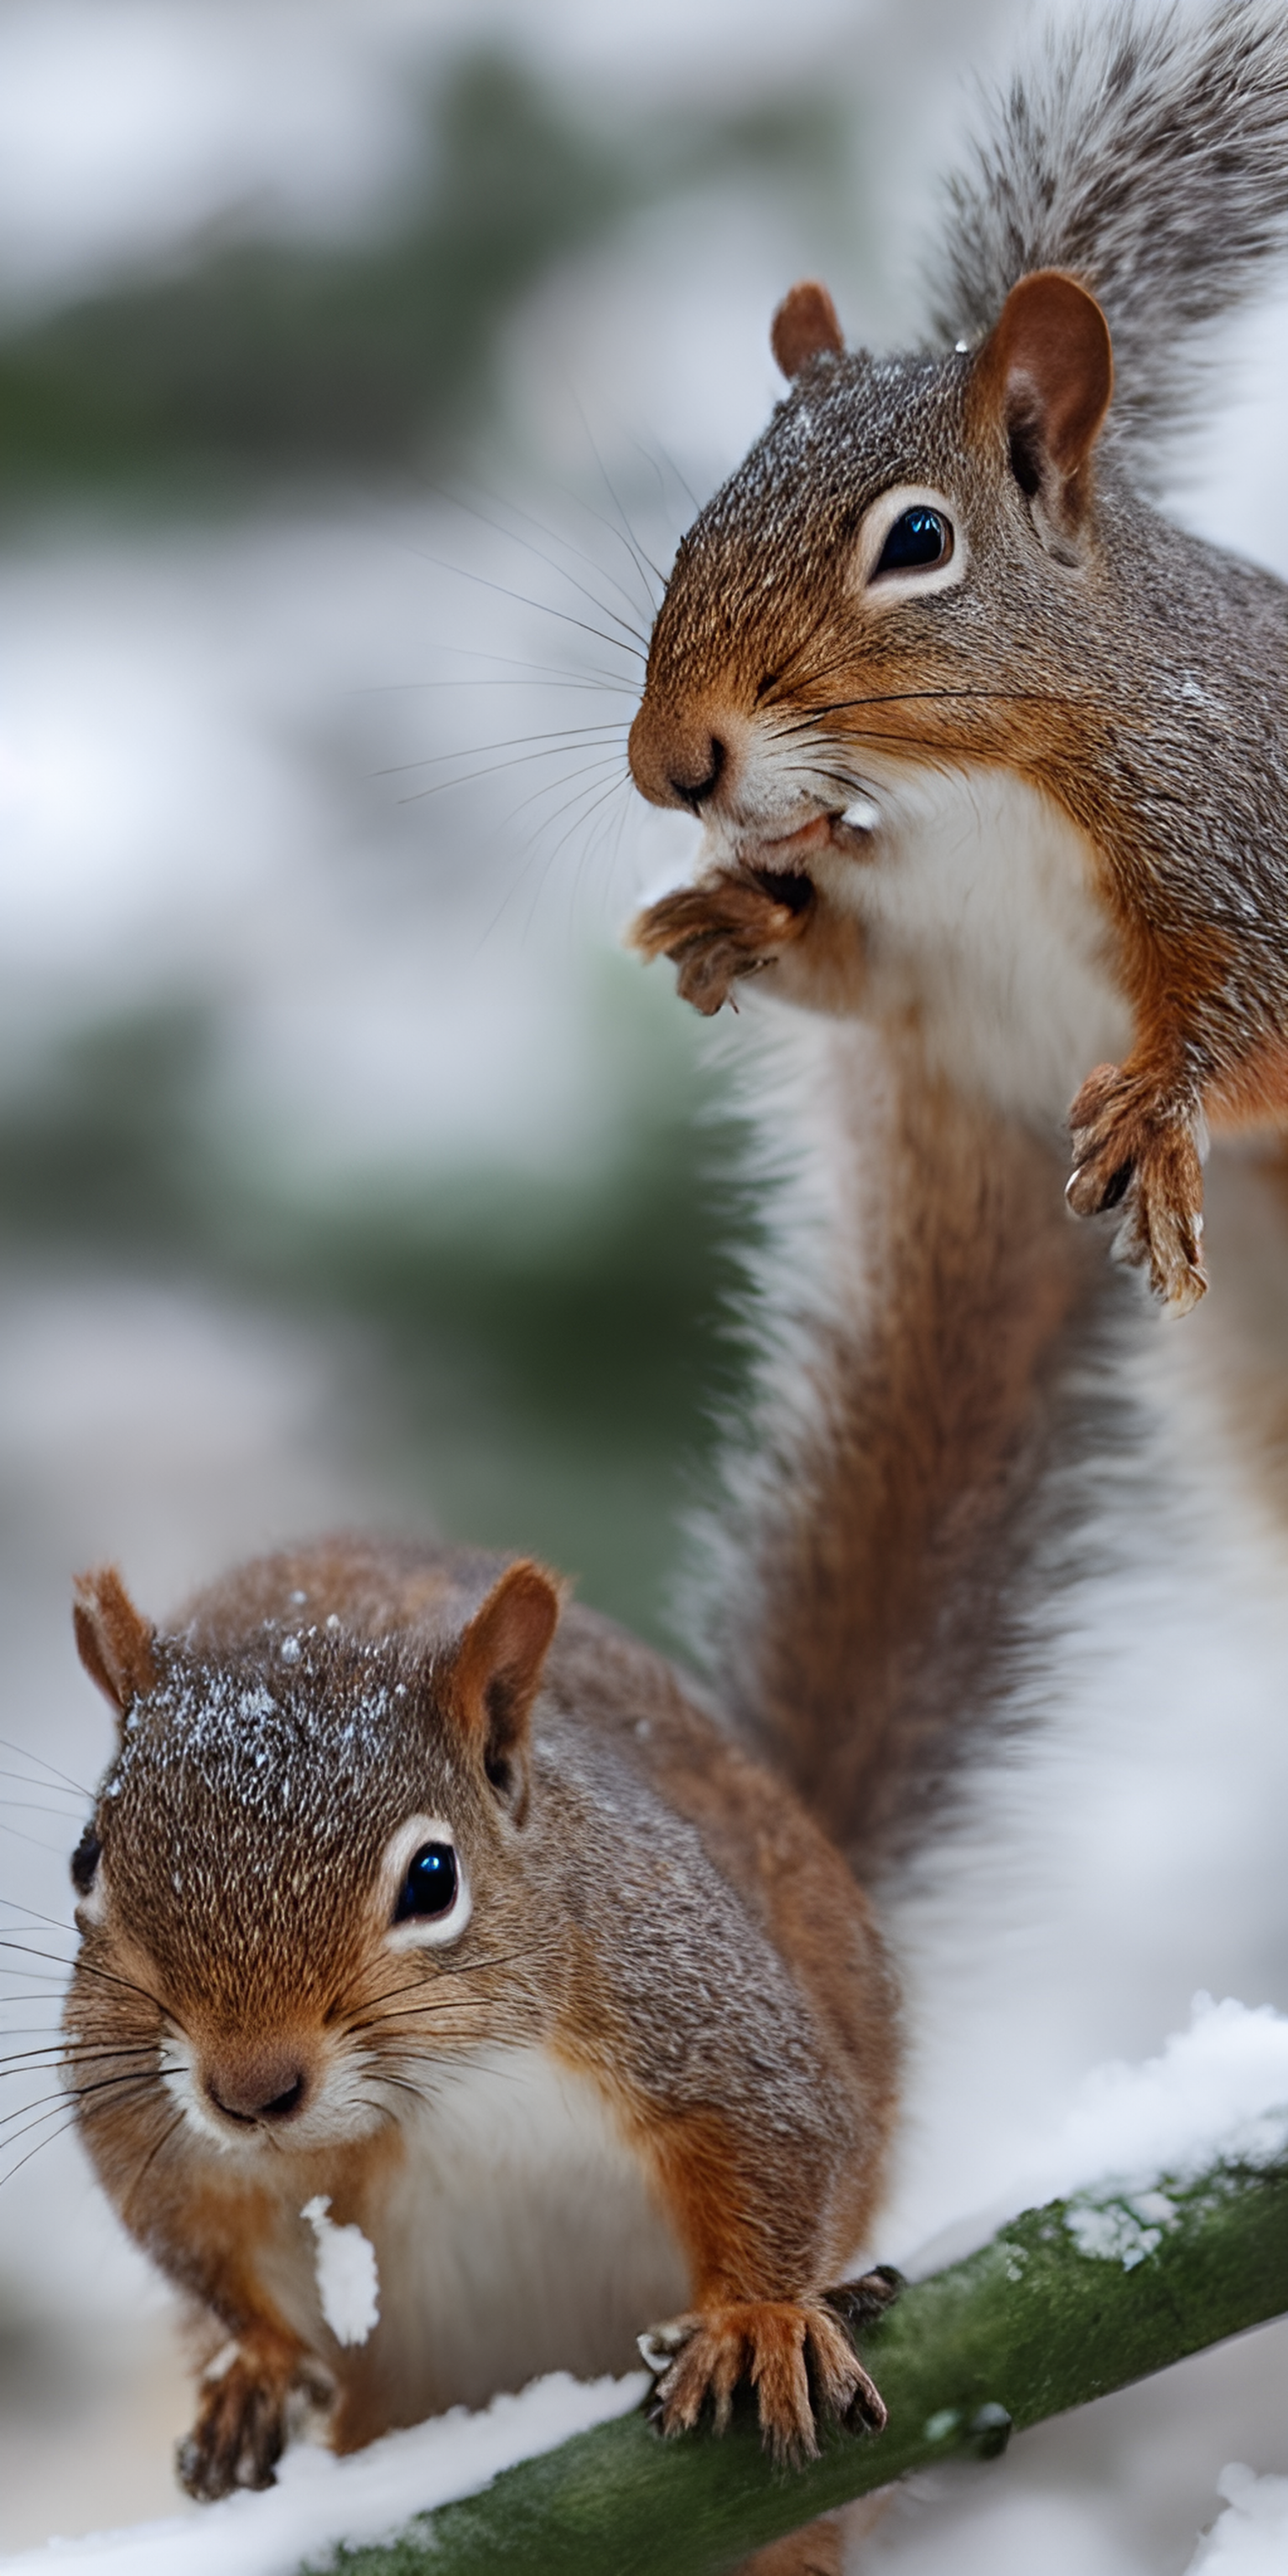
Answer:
(418, 1903)
(977, 737)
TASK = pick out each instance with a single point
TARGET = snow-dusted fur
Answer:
(1149, 154)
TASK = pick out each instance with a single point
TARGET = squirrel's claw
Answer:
(716, 932)
(247, 2408)
(238, 2437)
(796, 2355)
(1136, 1150)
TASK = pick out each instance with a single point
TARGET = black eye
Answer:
(429, 1888)
(919, 537)
(85, 1860)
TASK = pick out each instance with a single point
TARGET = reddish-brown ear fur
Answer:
(1048, 366)
(497, 1669)
(804, 327)
(115, 1642)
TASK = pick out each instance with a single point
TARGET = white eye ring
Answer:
(426, 1932)
(92, 1906)
(878, 520)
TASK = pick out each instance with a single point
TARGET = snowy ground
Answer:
(201, 780)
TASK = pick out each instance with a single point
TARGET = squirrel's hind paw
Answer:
(795, 2354)
(1136, 1151)
(716, 932)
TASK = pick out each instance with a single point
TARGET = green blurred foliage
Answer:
(531, 1363)
(259, 358)
(535, 1364)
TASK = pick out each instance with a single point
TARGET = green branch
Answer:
(1064, 2305)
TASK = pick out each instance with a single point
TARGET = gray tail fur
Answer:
(1148, 153)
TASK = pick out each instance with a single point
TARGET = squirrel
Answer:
(429, 1922)
(978, 739)
(423, 1905)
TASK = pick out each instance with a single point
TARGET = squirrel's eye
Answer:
(920, 537)
(429, 1888)
(85, 1860)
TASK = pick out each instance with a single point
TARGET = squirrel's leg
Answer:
(795, 2353)
(243, 2415)
(247, 2396)
(819, 2550)
(1138, 1140)
(732, 925)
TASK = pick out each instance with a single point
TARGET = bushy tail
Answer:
(1147, 152)
(898, 1529)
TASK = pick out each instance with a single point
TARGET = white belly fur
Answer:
(517, 2235)
(978, 896)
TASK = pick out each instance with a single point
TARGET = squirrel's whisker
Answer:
(542, 606)
(92, 2051)
(14, 2169)
(512, 891)
(106, 1976)
(138, 2180)
(25, 1754)
(442, 786)
(598, 797)
(68, 2101)
(651, 572)
(562, 737)
(36, 1842)
(24, 1780)
(627, 625)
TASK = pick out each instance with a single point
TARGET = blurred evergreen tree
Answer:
(539, 1362)
(260, 357)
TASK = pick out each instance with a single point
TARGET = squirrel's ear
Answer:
(115, 1642)
(1047, 367)
(496, 1671)
(804, 327)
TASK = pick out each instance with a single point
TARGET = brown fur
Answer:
(1130, 673)
(804, 326)
(113, 1642)
(904, 1495)
(626, 1860)
(816, 2551)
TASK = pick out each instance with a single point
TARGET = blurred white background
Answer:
(348, 1170)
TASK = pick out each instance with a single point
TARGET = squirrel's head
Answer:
(880, 576)
(305, 1871)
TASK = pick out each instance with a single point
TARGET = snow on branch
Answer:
(1182, 2242)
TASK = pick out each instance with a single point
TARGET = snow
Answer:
(319, 2501)
(1218, 2090)
(170, 820)
(1251, 2537)
(348, 2281)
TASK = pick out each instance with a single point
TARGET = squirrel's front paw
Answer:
(240, 2432)
(795, 2354)
(1133, 1151)
(716, 932)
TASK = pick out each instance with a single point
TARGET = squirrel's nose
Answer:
(265, 2084)
(675, 762)
(691, 791)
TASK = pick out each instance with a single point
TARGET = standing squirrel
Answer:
(977, 737)
(422, 1908)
